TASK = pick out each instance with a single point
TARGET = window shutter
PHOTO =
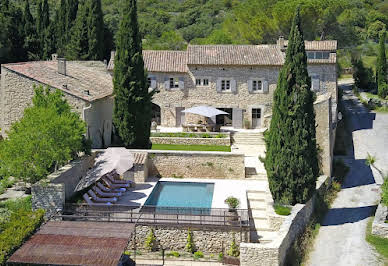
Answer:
(153, 82)
(166, 83)
(315, 84)
(181, 83)
(250, 86)
(218, 86)
(233, 84)
(265, 86)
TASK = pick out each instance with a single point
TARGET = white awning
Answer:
(204, 110)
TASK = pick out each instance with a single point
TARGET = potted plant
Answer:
(233, 204)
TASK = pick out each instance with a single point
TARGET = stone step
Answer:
(258, 204)
(257, 195)
(261, 224)
(266, 236)
(259, 214)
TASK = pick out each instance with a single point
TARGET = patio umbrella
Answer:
(119, 160)
(204, 110)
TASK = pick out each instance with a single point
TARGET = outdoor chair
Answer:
(185, 128)
(99, 200)
(106, 194)
(109, 190)
(118, 181)
(91, 203)
(111, 185)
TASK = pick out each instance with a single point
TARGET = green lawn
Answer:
(381, 244)
(190, 147)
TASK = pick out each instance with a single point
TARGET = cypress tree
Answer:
(95, 31)
(71, 14)
(381, 71)
(78, 45)
(31, 41)
(61, 32)
(291, 159)
(16, 34)
(132, 108)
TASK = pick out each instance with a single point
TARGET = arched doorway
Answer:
(156, 116)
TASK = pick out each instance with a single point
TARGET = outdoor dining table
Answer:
(199, 127)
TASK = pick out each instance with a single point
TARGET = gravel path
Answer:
(341, 238)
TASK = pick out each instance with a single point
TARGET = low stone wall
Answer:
(191, 141)
(211, 240)
(379, 227)
(190, 164)
(275, 252)
(52, 193)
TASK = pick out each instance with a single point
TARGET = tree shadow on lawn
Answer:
(338, 216)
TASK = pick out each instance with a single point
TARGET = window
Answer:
(149, 82)
(174, 83)
(318, 55)
(225, 85)
(256, 113)
(202, 82)
(257, 85)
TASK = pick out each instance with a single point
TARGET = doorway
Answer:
(225, 120)
(156, 114)
(180, 116)
(256, 117)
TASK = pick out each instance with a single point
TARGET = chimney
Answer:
(281, 43)
(62, 66)
(54, 57)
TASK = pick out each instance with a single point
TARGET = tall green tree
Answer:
(381, 70)
(46, 30)
(61, 27)
(132, 108)
(292, 158)
(95, 31)
(78, 46)
(31, 41)
(15, 34)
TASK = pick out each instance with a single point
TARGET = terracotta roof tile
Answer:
(234, 55)
(329, 45)
(81, 76)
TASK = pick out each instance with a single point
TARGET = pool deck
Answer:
(222, 189)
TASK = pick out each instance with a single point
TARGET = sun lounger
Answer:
(111, 185)
(91, 203)
(109, 190)
(97, 199)
(103, 194)
(117, 181)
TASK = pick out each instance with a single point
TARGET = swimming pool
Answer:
(181, 195)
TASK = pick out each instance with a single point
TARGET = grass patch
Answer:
(176, 147)
(282, 210)
(346, 76)
(189, 135)
(381, 244)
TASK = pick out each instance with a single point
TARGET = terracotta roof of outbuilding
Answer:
(82, 76)
(234, 55)
(329, 45)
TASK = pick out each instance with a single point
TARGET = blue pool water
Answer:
(181, 194)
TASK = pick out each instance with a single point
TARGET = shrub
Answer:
(234, 250)
(150, 241)
(282, 210)
(336, 186)
(198, 255)
(20, 226)
(232, 202)
(220, 256)
(173, 254)
(190, 243)
(384, 195)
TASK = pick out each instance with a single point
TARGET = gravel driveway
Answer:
(341, 238)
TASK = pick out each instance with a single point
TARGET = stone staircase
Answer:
(252, 174)
(260, 228)
(247, 138)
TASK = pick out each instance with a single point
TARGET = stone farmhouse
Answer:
(238, 79)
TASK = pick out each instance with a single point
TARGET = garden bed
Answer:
(216, 139)
(176, 147)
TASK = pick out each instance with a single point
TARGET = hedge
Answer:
(20, 226)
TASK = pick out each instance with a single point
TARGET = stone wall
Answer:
(191, 141)
(190, 164)
(379, 227)
(209, 240)
(275, 252)
(52, 193)
(16, 94)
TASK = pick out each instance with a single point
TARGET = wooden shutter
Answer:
(153, 82)
(265, 86)
(167, 83)
(181, 83)
(233, 85)
(237, 116)
(315, 84)
(218, 85)
(250, 86)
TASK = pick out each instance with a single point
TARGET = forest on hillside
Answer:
(172, 24)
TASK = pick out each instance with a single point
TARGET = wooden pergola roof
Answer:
(75, 243)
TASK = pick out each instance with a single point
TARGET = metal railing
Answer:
(175, 216)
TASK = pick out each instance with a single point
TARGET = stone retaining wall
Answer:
(379, 227)
(52, 193)
(190, 164)
(275, 252)
(191, 141)
(211, 240)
